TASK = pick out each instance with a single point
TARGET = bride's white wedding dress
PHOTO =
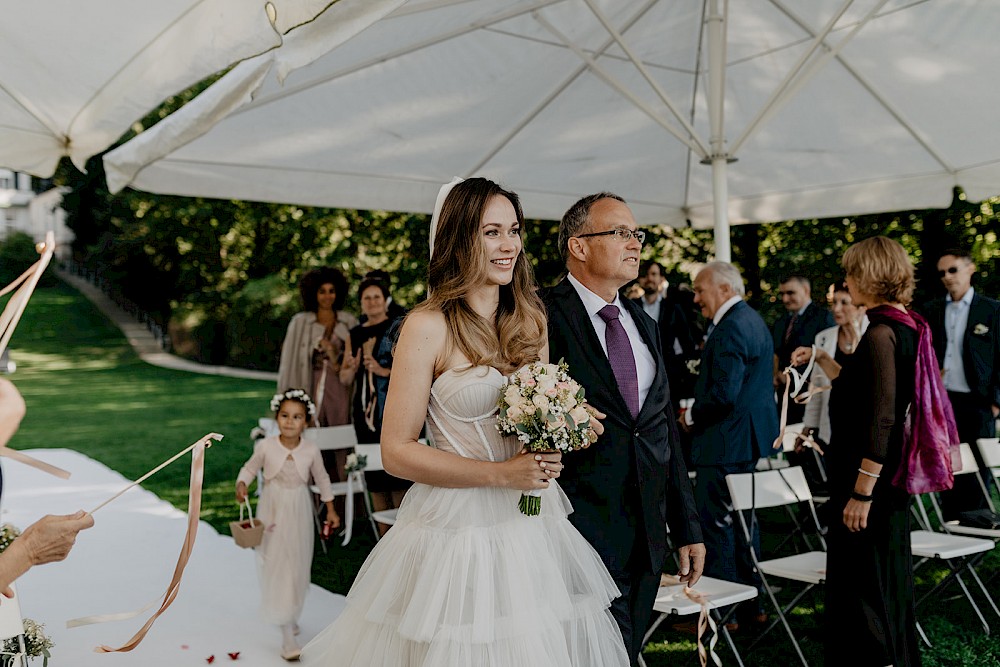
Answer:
(464, 579)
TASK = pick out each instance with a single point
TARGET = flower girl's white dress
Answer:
(464, 579)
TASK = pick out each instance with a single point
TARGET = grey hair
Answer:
(724, 273)
(576, 218)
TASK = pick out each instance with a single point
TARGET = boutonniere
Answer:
(981, 329)
(693, 366)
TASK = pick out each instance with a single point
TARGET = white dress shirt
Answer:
(645, 365)
(956, 319)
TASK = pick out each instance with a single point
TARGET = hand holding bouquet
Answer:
(544, 407)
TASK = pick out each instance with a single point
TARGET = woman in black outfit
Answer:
(362, 365)
(870, 619)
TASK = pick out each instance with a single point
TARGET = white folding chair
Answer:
(780, 488)
(332, 438)
(989, 449)
(373, 453)
(959, 547)
(12, 625)
(671, 602)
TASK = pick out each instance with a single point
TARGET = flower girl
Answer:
(285, 554)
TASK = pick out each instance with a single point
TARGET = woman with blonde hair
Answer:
(463, 578)
(869, 584)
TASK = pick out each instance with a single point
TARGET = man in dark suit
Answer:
(679, 338)
(632, 482)
(733, 418)
(966, 330)
(796, 328)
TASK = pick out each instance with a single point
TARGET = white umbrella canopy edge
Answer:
(79, 74)
(238, 87)
(350, 135)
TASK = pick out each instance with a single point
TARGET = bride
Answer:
(463, 578)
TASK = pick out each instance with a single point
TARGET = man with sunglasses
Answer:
(966, 330)
(630, 484)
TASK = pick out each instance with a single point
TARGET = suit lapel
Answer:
(578, 321)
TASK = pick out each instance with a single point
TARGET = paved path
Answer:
(143, 341)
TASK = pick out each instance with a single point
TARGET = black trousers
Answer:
(633, 609)
(974, 419)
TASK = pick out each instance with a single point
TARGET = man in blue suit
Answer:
(733, 419)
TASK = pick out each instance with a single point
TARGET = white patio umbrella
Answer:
(831, 107)
(76, 75)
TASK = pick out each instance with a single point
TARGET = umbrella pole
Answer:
(720, 197)
(716, 96)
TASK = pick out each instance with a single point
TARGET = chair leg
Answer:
(783, 620)
(720, 622)
(923, 636)
(982, 587)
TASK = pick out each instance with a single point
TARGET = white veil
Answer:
(438, 205)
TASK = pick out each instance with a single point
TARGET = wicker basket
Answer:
(248, 532)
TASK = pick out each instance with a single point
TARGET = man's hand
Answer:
(692, 562)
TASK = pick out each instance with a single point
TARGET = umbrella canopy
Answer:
(77, 74)
(774, 110)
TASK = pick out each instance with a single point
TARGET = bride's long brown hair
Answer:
(517, 333)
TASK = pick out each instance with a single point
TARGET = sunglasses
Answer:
(951, 269)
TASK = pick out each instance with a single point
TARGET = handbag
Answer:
(247, 533)
(983, 518)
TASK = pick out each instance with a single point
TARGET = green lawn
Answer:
(87, 391)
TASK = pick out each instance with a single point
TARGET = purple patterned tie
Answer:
(621, 357)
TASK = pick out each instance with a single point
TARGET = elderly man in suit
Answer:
(966, 330)
(798, 327)
(733, 418)
(632, 482)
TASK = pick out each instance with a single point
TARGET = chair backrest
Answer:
(11, 623)
(332, 437)
(268, 425)
(792, 432)
(769, 488)
(989, 448)
(969, 463)
(373, 454)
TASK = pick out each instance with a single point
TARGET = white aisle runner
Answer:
(126, 561)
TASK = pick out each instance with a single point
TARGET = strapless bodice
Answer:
(462, 411)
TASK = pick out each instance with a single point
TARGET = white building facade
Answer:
(21, 210)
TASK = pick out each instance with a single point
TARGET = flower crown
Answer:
(293, 395)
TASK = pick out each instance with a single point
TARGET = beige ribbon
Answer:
(194, 512)
(705, 620)
(9, 318)
(792, 375)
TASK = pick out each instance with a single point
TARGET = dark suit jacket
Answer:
(673, 325)
(810, 323)
(634, 475)
(734, 413)
(980, 352)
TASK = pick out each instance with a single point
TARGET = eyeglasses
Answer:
(950, 269)
(623, 233)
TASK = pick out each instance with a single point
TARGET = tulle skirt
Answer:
(463, 578)
(284, 557)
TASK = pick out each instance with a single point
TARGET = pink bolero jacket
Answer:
(270, 455)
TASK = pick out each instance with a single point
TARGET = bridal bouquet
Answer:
(355, 462)
(544, 407)
(36, 644)
(8, 533)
